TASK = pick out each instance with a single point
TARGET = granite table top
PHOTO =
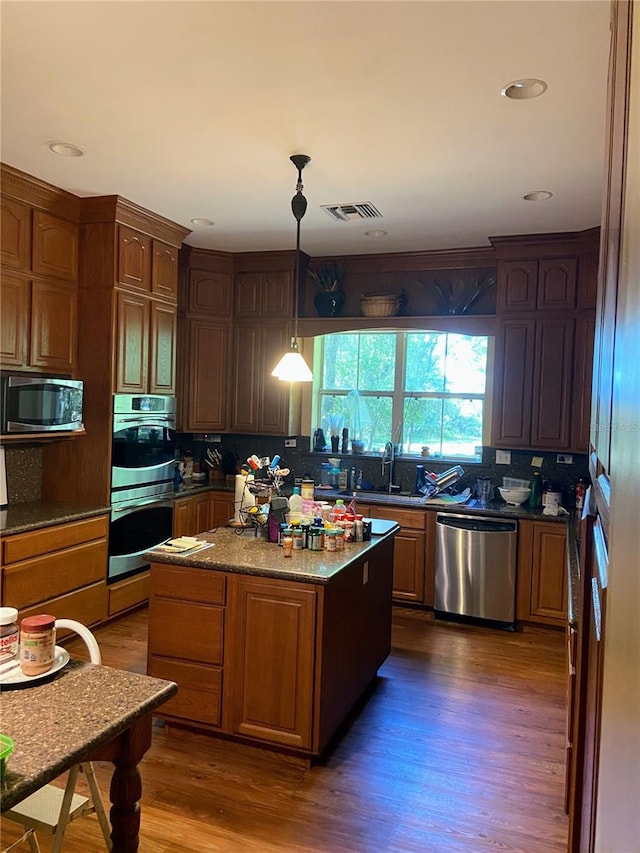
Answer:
(57, 723)
(18, 518)
(240, 550)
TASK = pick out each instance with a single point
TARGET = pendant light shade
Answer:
(292, 367)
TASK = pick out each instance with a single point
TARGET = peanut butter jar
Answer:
(37, 644)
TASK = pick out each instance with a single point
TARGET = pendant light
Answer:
(292, 367)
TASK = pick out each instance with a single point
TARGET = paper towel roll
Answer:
(243, 497)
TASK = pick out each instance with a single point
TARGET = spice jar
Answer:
(287, 544)
(298, 539)
(37, 644)
(8, 633)
(339, 539)
(330, 539)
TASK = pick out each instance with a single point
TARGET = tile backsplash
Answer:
(24, 474)
(236, 448)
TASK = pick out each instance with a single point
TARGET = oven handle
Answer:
(167, 421)
(127, 507)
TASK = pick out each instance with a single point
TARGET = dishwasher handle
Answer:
(480, 525)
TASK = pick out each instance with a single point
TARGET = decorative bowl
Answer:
(380, 305)
(515, 497)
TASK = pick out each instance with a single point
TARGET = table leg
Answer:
(125, 751)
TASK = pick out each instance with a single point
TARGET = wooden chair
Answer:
(50, 809)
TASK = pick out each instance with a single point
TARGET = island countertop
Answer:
(241, 551)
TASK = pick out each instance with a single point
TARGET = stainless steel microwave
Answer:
(41, 404)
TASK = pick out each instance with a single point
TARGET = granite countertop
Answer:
(56, 723)
(246, 553)
(186, 491)
(17, 518)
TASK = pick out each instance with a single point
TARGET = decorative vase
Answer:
(328, 302)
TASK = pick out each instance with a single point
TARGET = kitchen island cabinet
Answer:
(266, 649)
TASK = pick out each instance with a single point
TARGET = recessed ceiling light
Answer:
(375, 232)
(523, 90)
(538, 195)
(199, 220)
(66, 149)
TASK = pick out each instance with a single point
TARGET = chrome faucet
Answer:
(388, 457)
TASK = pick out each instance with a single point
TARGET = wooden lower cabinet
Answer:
(196, 513)
(542, 573)
(60, 570)
(266, 660)
(127, 594)
(271, 689)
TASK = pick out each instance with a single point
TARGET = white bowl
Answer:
(515, 497)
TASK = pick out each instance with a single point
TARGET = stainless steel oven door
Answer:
(143, 449)
(140, 519)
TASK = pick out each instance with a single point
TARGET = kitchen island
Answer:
(267, 649)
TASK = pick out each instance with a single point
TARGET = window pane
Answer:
(461, 427)
(376, 424)
(424, 369)
(422, 425)
(339, 367)
(377, 363)
(332, 414)
(466, 364)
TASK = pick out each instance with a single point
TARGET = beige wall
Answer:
(618, 815)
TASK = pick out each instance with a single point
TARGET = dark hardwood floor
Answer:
(459, 747)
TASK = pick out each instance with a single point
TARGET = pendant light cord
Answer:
(296, 286)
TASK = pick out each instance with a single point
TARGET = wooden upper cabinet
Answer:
(273, 395)
(245, 365)
(588, 282)
(264, 294)
(582, 381)
(164, 270)
(134, 263)
(513, 378)
(53, 326)
(16, 234)
(557, 284)
(206, 380)
(14, 321)
(210, 293)
(552, 382)
(55, 246)
(517, 286)
(162, 348)
(132, 344)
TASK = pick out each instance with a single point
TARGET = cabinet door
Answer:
(588, 282)
(208, 345)
(53, 326)
(134, 265)
(14, 321)
(201, 513)
(408, 566)
(183, 517)
(552, 380)
(210, 293)
(133, 344)
(164, 269)
(549, 574)
(247, 293)
(221, 510)
(273, 395)
(513, 381)
(557, 283)
(271, 684)
(517, 286)
(245, 366)
(582, 382)
(162, 348)
(55, 246)
(277, 295)
(16, 234)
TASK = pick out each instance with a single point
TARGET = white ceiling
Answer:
(192, 109)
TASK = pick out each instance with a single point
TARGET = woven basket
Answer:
(382, 305)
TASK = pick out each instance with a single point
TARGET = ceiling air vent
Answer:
(347, 212)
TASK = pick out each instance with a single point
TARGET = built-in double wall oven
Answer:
(142, 469)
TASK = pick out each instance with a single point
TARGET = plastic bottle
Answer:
(535, 498)
(8, 633)
(295, 503)
(338, 510)
(342, 479)
(580, 493)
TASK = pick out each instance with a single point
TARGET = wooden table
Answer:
(85, 712)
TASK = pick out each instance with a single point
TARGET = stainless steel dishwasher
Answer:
(476, 568)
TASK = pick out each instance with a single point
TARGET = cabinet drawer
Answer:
(188, 584)
(415, 519)
(54, 574)
(36, 542)
(199, 690)
(128, 593)
(88, 606)
(186, 630)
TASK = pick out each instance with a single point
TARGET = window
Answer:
(418, 388)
